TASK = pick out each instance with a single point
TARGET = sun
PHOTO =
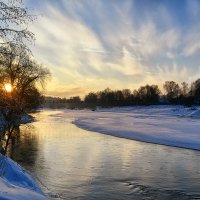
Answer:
(8, 87)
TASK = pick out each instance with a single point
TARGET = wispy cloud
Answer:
(92, 45)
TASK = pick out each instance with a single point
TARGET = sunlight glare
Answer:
(8, 87)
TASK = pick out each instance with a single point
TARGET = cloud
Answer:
(193, 8)
(76, 54)
(90, 45)
(191, 42)
(69, 92)
(179, 73)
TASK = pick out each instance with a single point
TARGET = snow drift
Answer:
(16, 183)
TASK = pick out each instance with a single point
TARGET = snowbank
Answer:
(24, 119)
(16, 183)
(167, 125)
(195, 114)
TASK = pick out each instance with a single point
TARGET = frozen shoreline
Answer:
(24, 120)
(16, 183)
(166, 125)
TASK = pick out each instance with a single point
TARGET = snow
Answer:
(195, 114)
(25, 118)
(167, 125)
(16, 183)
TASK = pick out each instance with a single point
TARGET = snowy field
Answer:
(167, 125)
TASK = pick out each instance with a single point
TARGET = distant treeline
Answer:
(174, 93)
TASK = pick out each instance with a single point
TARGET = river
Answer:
(72, 163)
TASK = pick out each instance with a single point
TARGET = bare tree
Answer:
(184, 89)
(22, 73)
(19, 72)
(173, 91)
(195, 91)
(149, 95)
(14, 20)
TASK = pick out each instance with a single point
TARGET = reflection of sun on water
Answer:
(8, 87)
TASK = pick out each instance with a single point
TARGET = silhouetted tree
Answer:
(75, 100)
(195, 91)
(127, 97)
(185, 96)
(119, 98)
(136, 98)
(18, 68)
(33, 98)
(22, 72)
(91, 99)
(172, 91)
(106, 97)
(184, 89)
(148, 95)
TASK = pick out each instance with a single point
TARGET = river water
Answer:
(71, 163)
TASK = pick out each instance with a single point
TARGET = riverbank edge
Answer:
(25, 118)
(191, 113)
(15, 182)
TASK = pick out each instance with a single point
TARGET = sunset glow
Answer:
(8, 87)
(100, 99)
(92, 45)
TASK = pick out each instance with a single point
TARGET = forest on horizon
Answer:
(183, 94)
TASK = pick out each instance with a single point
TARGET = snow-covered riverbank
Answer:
(167, 125)
(24, 119)
(16, 183)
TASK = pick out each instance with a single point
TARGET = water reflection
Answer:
(73, 163)
(23, 146)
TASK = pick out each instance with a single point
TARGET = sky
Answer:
(90, 45)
